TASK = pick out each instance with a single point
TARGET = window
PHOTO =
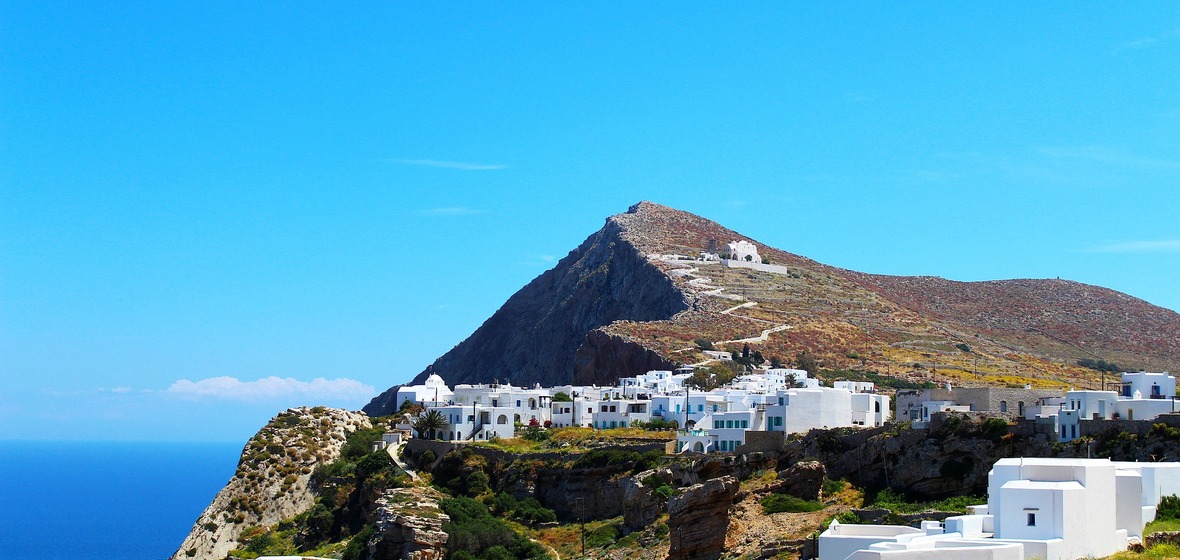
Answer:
(1032, 519)
(745, 423)
(729, 423)
(518, 402)
(1003, 406)
(700, 408)
(1020, 408)
(716, 424)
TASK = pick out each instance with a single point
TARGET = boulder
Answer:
(801, 480)
(409, 526)
(698, 519)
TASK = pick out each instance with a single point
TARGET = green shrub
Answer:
(497, 552)
(477, 483)
(894, 501)
(358, 442)
(603, 536)
(427, 458)
(259, 544)
(1168, 508)
(994, 428)
(528, 510)
(358, 545)
(778, 503)
(848, 518)
(831, 487)
(666, 492)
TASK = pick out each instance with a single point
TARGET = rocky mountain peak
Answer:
(634, 297)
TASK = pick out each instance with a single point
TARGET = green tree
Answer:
(562, 396)
(429, 422)
(805, 361)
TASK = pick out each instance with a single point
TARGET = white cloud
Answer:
(1103, 155)
(270, 388)
(460, 165)
(1166, 246)
(451, 211)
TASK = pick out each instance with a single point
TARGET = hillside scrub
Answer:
(341, 488)
(473, 533)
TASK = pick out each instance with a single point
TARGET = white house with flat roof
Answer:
(1142, 396)
(1051, 509)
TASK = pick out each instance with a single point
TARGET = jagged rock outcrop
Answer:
(632, 298)
(598, 493)
(801, 480)
(698, 519)
(409, 526)
(271, 481)
(602, 357)
(641, 505)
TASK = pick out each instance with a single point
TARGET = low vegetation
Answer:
(779, 503)
(336, 521)
(898, 504)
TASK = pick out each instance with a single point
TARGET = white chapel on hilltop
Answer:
(743, 251)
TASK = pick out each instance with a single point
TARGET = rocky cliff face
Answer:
(698, 519)
(535, 335)
(271, 481)
(409, 526)
(631, 299)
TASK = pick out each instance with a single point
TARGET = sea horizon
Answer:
(79, 500)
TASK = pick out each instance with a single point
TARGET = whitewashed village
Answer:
(1037, 508)
(1051, 509)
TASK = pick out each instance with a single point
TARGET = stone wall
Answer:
(980, 399)
(1137, 427)
(762, 441)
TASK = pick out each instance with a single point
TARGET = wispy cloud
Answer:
(269, 388)
(1166, 246)
(460, 165)
(1098, 154)
(450, 211)
(1145, 42)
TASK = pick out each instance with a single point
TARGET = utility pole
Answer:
(582, 515)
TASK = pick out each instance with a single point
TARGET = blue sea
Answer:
(84, 500)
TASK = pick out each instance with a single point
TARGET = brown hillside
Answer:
(623, 302)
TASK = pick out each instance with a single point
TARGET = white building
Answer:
(721, 424)
(782, 400)
(743, 251)
(1051, 509)
(1143, 396)
(433, 390)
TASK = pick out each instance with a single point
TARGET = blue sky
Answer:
(206, 207)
